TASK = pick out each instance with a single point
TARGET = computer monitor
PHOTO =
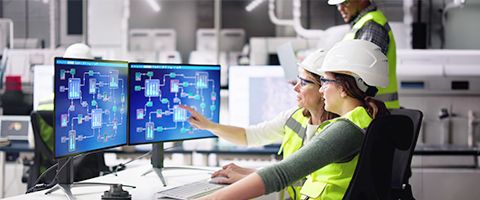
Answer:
(91, 105)
(257, 94)
(156, 90)
(15, 127)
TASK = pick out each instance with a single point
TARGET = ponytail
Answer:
(375, 108)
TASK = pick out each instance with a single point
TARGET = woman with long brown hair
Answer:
(351, 72)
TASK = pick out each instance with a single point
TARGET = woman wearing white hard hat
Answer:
(295, 126)
(352, 69)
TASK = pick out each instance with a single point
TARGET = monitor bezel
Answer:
(55, 110)
(172, 64)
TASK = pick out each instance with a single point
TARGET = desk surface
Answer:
(239, 150)
(146, 186)
(446, 150)
(17, 146)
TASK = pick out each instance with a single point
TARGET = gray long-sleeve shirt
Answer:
(338, 142)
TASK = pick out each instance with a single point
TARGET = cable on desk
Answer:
(38, 187)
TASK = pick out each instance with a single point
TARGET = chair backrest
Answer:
(85, 167)
(403, 158)
(43, 155)
(373, 174)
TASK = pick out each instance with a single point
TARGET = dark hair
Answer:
(375, 108)
(325, 114)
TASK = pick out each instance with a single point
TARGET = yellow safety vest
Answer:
(331, 181)
(389, 95)
(295, 132)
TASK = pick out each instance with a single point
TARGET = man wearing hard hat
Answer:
(369, 23)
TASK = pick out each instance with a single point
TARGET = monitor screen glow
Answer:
(156, 90)
(91, 105)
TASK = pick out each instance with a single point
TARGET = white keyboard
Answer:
(191, 191)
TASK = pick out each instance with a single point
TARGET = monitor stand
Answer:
(65, 179)
(157, 163)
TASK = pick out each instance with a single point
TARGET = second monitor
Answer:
(156, 90)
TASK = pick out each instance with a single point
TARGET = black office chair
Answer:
(85, 167)
(373, 175)
(15, 103)
(43, 155)
(402, 159)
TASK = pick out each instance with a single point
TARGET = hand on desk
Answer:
(232, 173)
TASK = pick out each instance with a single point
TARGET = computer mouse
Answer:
(218, 180)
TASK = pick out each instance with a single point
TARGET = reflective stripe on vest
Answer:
(295, 130)
(296, 127)
(331, 181)
(389, 94)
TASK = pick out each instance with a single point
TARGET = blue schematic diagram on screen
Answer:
(157, 90)
(90, 105)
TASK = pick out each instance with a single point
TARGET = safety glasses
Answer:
(304, 82)
(325, 81)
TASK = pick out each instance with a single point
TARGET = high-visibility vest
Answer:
(389, 95)
(332, 180)
(295, 132)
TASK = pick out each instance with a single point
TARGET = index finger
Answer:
(188, 108)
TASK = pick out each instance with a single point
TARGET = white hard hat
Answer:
(78, 50)
(313, 61)
(360, 59)
(335, 2)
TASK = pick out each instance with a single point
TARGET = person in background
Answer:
(352, 70)
(370, 24)
(295, 126)
(77, 50)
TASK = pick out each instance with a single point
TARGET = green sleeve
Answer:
(338, 142)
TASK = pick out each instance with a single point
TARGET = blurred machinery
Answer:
(445, 86)
(231, 43)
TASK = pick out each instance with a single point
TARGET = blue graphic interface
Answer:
(90, 105)
(156, 90)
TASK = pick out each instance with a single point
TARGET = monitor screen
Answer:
(156, 90)
(250, 104)
(15, 127)
(91, 105)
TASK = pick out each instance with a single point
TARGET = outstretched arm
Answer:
(234, 134)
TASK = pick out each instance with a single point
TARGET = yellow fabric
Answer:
(392, 88)
(331, 181)
(291, 143)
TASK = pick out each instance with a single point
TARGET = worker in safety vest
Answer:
(369, 23)
(351, 72)
(294, 127)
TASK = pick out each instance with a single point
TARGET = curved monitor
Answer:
(91, 105)
(156, 90)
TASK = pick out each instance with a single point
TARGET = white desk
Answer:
(146, 186)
